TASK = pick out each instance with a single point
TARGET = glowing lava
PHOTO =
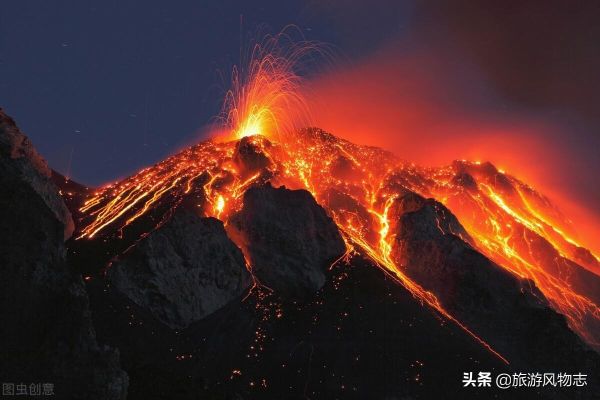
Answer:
(511, 223)
(522, 231)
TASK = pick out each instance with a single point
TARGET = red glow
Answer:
(431, 112)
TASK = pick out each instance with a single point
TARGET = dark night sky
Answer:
(120, 84)
(103, 88)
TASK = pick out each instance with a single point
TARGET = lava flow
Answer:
(508, 221)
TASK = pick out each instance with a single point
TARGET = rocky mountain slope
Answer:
(314, 268)
(46, 335)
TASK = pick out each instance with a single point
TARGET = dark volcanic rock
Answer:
(345, 169)
(73, 193)
(289, 238)
(21, 160)
(183, 271)
(250, 155)
(465, 180)
(510, 314)
(46, 334)
(362, 336)
(347, 207)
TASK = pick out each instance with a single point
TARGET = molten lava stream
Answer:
(381, 257)
(506, 229)
(309, 160)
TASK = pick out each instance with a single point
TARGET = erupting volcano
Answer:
(361, 188)
(263, 224)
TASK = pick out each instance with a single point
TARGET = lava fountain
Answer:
(265, 96)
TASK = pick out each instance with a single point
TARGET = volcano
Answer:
(302, 266)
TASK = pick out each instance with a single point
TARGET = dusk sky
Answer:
(104, 88)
